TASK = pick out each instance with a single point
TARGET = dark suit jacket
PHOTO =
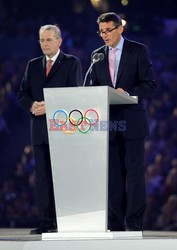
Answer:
(136, 76)
(66, 72)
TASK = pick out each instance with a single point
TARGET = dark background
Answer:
(151, 22)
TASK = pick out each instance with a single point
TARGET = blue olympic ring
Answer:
(62, 111)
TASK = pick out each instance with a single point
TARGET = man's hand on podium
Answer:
(122, 91)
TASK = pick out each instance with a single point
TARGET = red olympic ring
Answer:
(97, 116)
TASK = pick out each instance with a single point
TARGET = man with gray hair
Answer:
(53, 69)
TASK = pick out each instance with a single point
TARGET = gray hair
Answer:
(55, 28)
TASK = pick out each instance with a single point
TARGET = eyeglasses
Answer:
(106, 32)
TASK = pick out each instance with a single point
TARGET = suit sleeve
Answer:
(24, 96)
(75, 76)
(146, 77)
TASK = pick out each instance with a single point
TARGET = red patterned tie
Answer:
(49, 66)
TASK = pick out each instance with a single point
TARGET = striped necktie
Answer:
(112, 59)
(49, 66)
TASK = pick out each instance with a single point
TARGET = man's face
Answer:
(49, 43)
(111, 38)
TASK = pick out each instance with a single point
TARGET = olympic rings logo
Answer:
(75, 120)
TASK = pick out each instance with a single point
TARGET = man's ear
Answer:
(121, 29)
(60, 40)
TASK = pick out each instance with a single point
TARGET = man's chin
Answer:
(107, 43)
(48, 55)
(46, 52)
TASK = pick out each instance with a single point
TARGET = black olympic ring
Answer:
(80, 119)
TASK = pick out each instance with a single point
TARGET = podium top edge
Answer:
(109, 89)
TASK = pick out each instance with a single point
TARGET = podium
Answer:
(78, 129)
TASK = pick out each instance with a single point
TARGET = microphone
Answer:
(95, 58)
(101, 56)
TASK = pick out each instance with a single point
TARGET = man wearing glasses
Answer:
(53, 69)
(127, 68)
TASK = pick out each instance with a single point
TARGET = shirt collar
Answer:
(54, 57)
(119, 45)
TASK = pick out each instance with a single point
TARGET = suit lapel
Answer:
(43, 68)
(106, 66)
(44, 63)
(125, 54)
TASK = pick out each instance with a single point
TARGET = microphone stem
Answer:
(85, 78)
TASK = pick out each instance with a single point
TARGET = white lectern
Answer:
(78, 129)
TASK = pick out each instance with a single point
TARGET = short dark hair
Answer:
(108, 17)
